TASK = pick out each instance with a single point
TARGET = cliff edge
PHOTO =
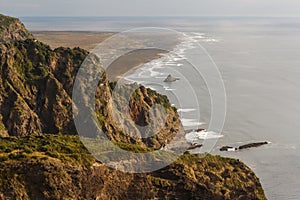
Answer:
(12, 29)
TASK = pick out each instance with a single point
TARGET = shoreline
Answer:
(128, 63)
(90, 39)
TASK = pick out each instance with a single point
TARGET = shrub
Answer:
(4, 158)
(68, 149)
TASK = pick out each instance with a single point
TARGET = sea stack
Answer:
(170, 79)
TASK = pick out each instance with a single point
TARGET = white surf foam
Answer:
(210, 40)
(202, 135)
(168, 88)
(191, 122)
(185, 110)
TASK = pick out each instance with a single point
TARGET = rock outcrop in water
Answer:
(246, 146)
(252, 145)
(228, 148)
(170, 79)
(35, 96)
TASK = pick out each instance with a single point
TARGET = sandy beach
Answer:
(89, 40)
(83, 39)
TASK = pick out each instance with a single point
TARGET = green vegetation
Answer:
(159, 181)
(133, 147)
(31, 69)
(222, 176)
(6, 21)
(68, 149)
(11, 29)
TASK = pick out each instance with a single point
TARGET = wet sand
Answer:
(131, 61)
(89, 40)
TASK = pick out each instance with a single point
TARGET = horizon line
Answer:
(171, 16)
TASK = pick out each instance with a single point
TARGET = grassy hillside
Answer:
(59, 167)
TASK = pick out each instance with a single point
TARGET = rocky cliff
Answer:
(36, 90)
(35, 86)
(37, 162)
(58, 167)
(12, 29)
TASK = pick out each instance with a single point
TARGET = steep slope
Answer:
(34, 94)
(12, 29)
(36, 89)
(42, 168)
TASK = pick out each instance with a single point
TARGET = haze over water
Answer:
(260, 64)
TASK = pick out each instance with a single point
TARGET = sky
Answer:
(275, 8)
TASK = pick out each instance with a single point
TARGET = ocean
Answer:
(259, 62)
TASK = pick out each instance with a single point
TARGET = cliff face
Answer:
(12, 29)
(34, 94)
(139, 126)
(40, 168)
(35, 98)
(36, 90)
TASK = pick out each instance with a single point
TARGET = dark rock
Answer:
(192, 130)
(252, 145)
(228, 148)
(170, 79)
(194, 146)
(246, 146)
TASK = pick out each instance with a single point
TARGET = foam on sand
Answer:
(202, 135)
(185, 110)
(191, 122)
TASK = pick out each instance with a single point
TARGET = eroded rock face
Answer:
(36, 97)
(145, 129)
(12, 29)
(40, 176)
